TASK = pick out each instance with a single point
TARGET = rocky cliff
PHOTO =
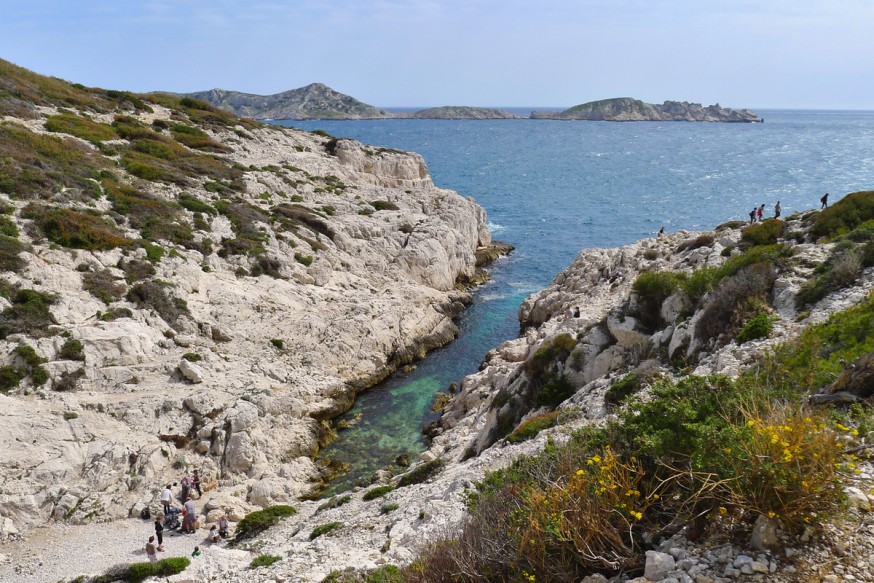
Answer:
(628, 109)
(183, 289)
(315, 101)
(623, 327)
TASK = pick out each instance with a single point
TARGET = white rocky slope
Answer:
(278, 355)
(391, 529)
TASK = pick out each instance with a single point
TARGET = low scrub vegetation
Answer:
(529, 428)
(29, 313)
(421, 472)
(323, 529)
(75, 229)
(701, 450)
(377, 492)
(765, 233)
(264, 561)
(257, 522)
(81, 127)
(845, 215)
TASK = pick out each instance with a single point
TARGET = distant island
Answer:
(628, 109)
(318, 101)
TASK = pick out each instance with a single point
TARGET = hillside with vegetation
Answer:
(182, 288)
(705, 418)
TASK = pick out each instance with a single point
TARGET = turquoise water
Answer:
(552, 188)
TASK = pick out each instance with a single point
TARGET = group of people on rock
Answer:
(757, 212)
(170, 520)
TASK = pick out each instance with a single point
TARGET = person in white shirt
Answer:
(166, 497)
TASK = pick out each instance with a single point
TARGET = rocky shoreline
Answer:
(368, 276)
(370, 532)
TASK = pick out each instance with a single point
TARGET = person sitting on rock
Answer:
(213, 536)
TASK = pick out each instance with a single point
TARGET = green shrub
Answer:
(152, 295)
(72, 350)
(277, 343)
(845, 215)
(39, 376)
(154, 253)
(555, 392)
(191, 357)
(81, 127)
(305, 260)
(257, 522)
(195, 205)
(68, 381)
(388, 507)
(334, 502)
(137, 572)
(734, 299)
(652, 289)
(10, 249)
(103, 285)
(384, 205)
(619, 390)
(555, 350)
(421, 472)
(377, 492)
(764, 233)
(137, 270)
(759, 326)
(115, 314)
(70, 415)
(529, 428)
(264, 561)
(9, 378)
(74, 229)
(29, 313)
(8, 227)
(29, 355)
(324, 529)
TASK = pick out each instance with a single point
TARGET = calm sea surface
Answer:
(552, 188)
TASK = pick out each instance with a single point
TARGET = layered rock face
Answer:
(238, 385)
(628, 109)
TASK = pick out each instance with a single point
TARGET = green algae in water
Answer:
(391, 415)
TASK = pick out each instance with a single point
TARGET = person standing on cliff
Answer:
(760, 212)
(777, 210)
(753, 216)
(166, 497)
(159, 532)
(824, 201)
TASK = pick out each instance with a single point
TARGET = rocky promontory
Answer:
(315, 101)
(628, 109)
(184, 289)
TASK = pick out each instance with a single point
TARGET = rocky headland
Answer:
(628, 109)
(619, 334)
(315, 101)
(183, 289)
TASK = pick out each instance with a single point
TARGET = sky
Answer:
(793, 54)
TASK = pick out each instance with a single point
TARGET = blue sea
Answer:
(552, 188)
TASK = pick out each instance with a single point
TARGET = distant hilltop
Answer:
(628, 109)
(315, 101)
(318, 101)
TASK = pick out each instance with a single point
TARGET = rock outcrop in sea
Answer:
(628, 109)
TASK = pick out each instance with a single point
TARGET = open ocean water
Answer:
(552, 188)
